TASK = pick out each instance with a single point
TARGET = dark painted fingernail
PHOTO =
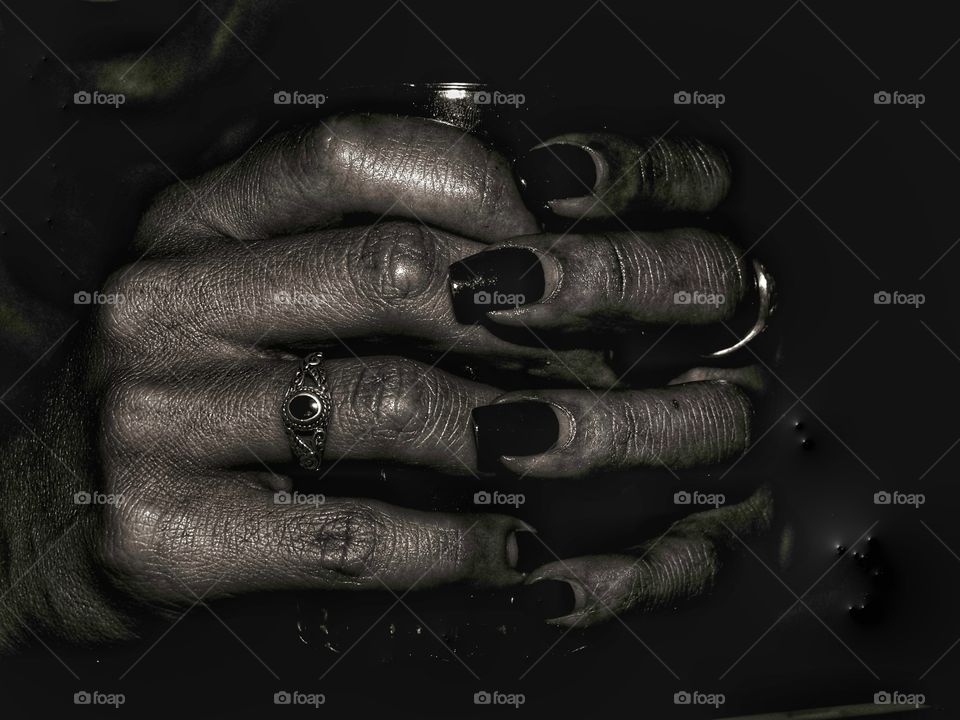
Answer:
(548, 598)
(519, 543)
(498, 279)
(531, 552)
(556, 171)
(518, 428)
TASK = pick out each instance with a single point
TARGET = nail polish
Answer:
(519, 544)
(555, 172)
(525, 427)
(548, 598)
(531, 552)
(498, 279)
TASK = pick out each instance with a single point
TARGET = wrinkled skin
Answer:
(175, 392)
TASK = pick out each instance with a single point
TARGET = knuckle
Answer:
(397, 263)
(128, 302)
(161, 220)
(309, 154)
(351, 539)
(609, 257)
(733, 411)
(679, 567)
(131, 416)
(703, 423)
(394, 398)
(127, 550)
(708, 262)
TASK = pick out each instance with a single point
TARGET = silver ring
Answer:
(767, 302)
(306, 409)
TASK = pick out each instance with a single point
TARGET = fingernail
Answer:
(499, 279)
(531, 552)
(518, 543)
(526, 427)
(556, 171)
(548, 598)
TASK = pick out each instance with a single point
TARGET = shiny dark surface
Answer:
(513, 428)
(498, 279)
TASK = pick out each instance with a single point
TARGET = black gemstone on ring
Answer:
(304, 407)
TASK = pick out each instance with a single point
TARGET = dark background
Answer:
(799, 112)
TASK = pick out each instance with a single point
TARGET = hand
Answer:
(176, 395)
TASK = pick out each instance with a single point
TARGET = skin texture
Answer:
(235, 274)
(664, 175)
(684, 562)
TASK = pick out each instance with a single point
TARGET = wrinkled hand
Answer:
(176, 394)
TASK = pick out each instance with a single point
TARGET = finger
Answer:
(569, 433)
(371, 164)
(682, 563)
(384, 409)
(752, 378)
(243, 539)
(385, 281)
(574, 282)
(401, 411)
(596, 175)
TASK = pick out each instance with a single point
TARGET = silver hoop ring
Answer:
(306, 409)
(766, 301)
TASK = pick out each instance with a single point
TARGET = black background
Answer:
(879, 419)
